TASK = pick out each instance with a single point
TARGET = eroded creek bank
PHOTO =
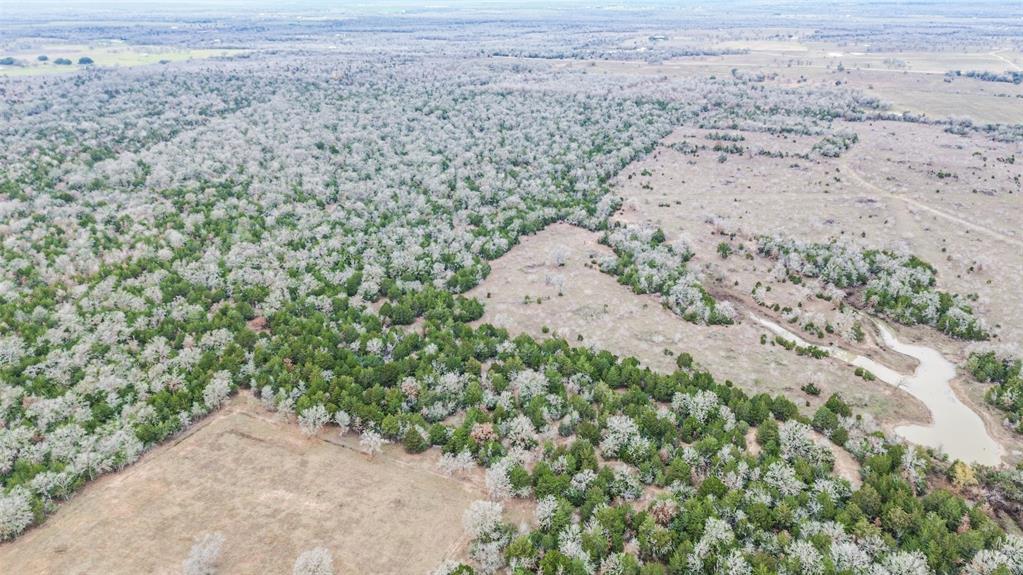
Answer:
(549, 285)
(954, 428)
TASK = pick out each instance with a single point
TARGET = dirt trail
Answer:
(846, 465)
(940, 213)
(996, 54)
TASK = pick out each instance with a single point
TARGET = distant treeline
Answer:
(1008, 77)
(610, 53)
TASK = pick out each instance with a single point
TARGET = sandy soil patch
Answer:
(751, 442)
(273, 494)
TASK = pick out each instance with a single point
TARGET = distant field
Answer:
(908, 81)
(936, 62)
(117, 55)
(980, 108)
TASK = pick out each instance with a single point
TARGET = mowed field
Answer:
(272, 492)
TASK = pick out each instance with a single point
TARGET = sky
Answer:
(46, 9)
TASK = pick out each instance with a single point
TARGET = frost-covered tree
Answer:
(316, 561)
(455, 464)
(483, 523)
(15, 513)
(312, 419)
(371, 442)
(217, 390)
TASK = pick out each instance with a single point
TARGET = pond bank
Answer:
(954, 429)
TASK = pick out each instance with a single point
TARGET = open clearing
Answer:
(610, 316)
(886, 191)
(113, 55)
(908, 81)
(954, 201)
(272, 492)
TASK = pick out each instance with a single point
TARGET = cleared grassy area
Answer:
(272, 492)
(908, 81)
(980, 108)
(610, 316)
(115, 55)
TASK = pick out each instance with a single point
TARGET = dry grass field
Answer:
(908, 81)
(884, 192)
(272, 492)
(112, 55)
(611, 317)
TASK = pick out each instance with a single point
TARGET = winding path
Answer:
(940, 213)
(997, 54)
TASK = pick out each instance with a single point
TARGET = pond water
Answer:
(955, 428)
